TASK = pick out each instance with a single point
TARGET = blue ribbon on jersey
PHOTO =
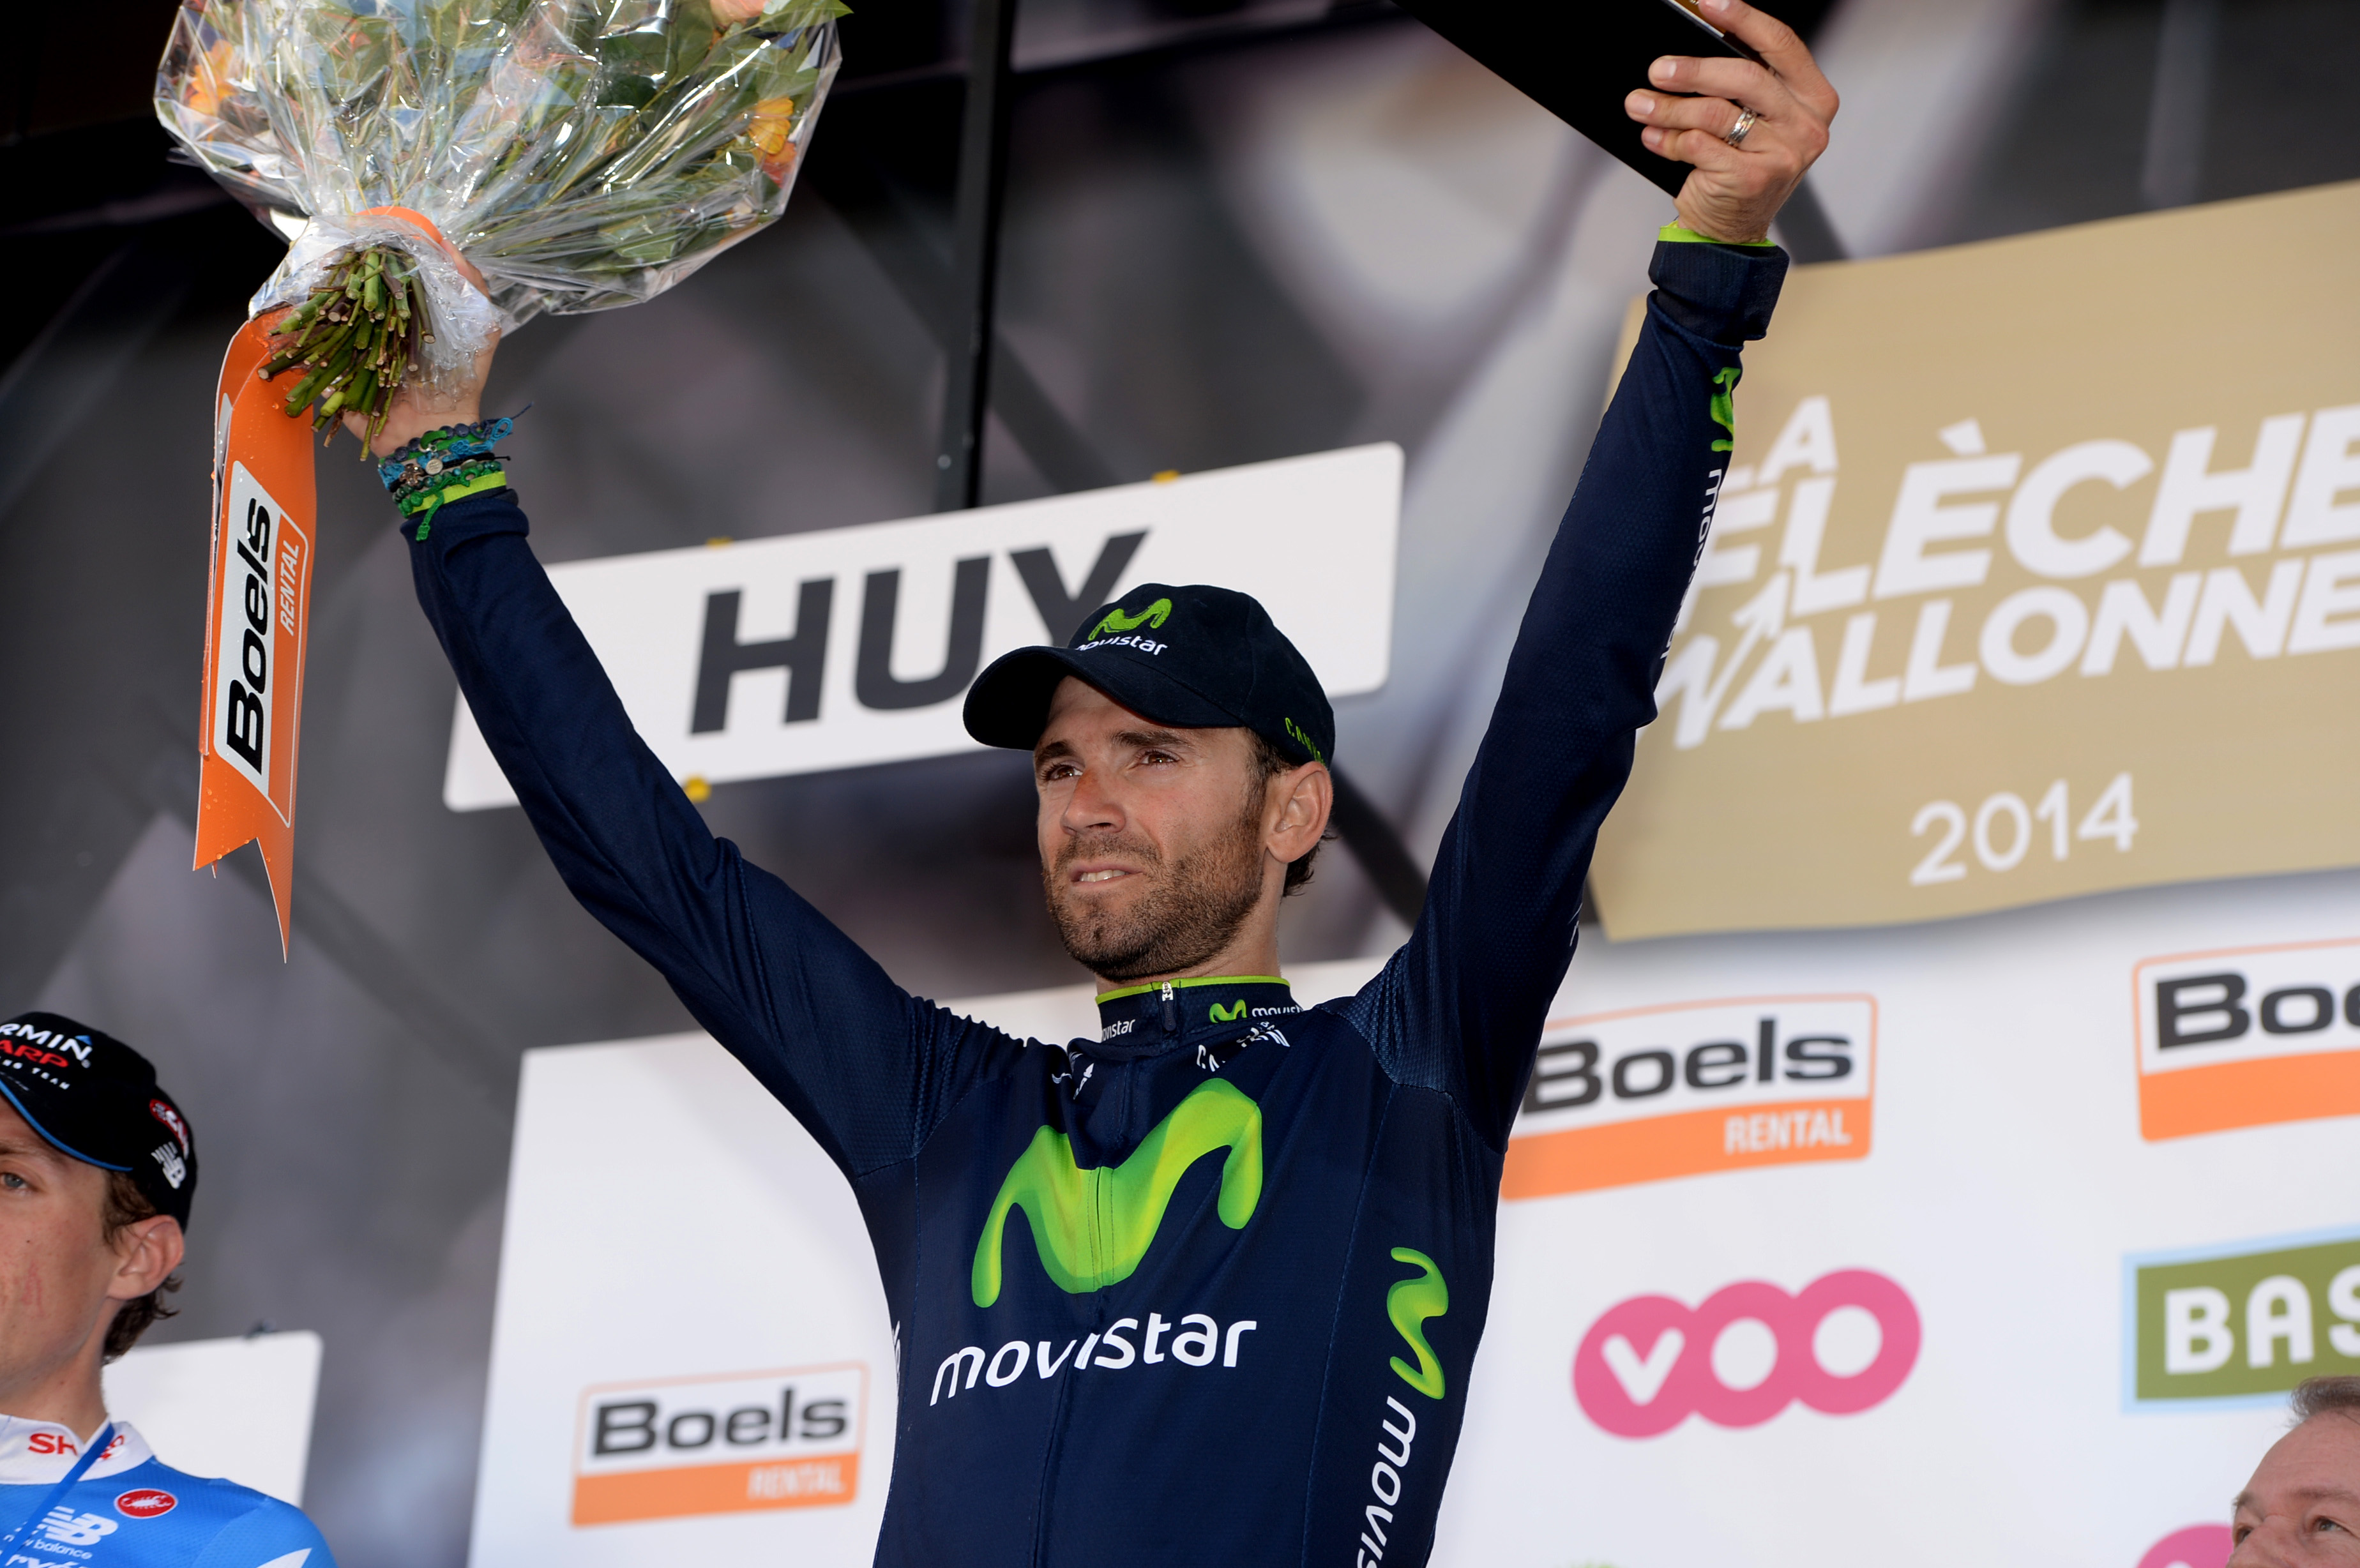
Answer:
(51, 1499)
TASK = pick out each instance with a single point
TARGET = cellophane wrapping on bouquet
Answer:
(581, 154)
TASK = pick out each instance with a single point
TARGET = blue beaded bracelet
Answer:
(423, 460)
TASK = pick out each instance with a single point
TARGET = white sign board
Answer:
(693, 1364)
(856, 646)
(235, 1407)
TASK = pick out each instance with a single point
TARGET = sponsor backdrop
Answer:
(1810, 1246)
(2001, 1237)
(2035, 572)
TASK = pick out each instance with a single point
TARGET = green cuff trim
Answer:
(473, 479)
(1672, 233)
(1201, 980)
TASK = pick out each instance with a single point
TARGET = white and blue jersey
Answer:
(129, 1510)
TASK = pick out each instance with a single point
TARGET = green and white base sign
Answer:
(2244, 1324)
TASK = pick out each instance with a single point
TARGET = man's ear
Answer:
(1306, 797)
(146, 1251)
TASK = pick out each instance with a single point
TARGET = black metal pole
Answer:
(2174, 164)
(1804, 227)
(975, 254)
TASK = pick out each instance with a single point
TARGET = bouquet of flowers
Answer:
(446, 169)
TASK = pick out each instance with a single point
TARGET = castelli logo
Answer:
(146, 1502)
(170, 1118)
(1650, 1363)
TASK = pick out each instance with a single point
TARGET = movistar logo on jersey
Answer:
(1409, 1303)
(1724, 408)
(1092, 1228)
(1116, 621)
(1227, 1015)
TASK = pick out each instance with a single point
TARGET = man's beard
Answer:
(1196, 904)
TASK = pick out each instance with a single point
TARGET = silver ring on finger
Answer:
(1737, 133)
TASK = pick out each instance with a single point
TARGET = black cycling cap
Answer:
(92, 1097)
(1192, 657)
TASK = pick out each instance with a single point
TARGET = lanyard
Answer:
(51, 1499)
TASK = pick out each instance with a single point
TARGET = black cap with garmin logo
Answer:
(89, 1095)
(1192, 657)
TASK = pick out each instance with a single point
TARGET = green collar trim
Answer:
(1672, 233)
(1116, 996)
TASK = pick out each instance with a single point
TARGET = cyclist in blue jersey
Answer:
(1207, 1288)
(98, 1167)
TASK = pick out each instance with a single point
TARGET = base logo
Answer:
(2248, 1035)
(718, 1445)
(1650, 1093)
(1841, 1345)
(2245, 1322)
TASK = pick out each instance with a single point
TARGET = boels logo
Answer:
(1650, 1093)
(2244, 1037)
(716, 1445)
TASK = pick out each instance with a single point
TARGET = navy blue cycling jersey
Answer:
(1206, 1289)
(129, 1510)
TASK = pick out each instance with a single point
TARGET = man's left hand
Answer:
(1734, 191)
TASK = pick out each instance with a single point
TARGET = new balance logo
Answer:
(72, 1529)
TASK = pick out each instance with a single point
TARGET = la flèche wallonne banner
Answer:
(2035, 572)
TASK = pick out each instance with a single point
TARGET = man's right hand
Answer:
(1734, 191)
(415, 409)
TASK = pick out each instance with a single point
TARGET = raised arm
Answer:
(861, 1063)
(1459, 1008)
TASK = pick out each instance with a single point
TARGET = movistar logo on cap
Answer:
(1116, 621)
(1093, 1227)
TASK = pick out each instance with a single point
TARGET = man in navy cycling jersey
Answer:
(1207, 1288)
(98, 1167)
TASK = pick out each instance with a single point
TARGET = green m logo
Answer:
(1116, 621)
(1723, 407)
(1409, 1303)
(1092, 1228)
(1227, 1015)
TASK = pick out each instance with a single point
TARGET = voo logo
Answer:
(1841, 1345)
(2244, 1036)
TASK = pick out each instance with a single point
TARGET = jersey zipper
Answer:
(1171, 1010)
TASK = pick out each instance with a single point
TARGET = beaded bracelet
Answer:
(443, 466)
